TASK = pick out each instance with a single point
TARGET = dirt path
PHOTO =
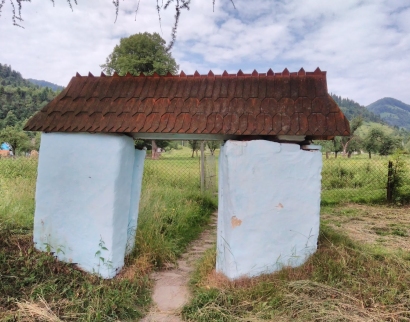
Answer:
(171, 291)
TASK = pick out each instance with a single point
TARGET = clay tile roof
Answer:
(263, 104)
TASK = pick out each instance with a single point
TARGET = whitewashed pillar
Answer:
(269, 207)
(83, 198)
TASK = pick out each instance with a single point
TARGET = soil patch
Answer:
(381, 225)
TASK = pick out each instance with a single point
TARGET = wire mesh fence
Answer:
(355, 179)
(209, 173)
(360, 179)
(178, 166)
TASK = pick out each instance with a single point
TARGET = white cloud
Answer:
(364, 45)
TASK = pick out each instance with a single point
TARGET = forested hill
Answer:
(43, 83)
(392, 111)
(352, 109)
(19, 99)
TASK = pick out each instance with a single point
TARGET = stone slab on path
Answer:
(171, 290)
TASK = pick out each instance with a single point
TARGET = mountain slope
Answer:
(392, 111)
(19, 99)
(43, 83)
(352, 109)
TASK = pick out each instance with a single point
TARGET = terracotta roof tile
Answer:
(269, 103)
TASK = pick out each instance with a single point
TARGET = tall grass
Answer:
(358, 179)
(342, 281)
(34, 284)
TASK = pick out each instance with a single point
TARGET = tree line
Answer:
(376, 140)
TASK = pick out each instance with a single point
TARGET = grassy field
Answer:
(360, 179)
(33, 284)
(361, 271)
(349, 278)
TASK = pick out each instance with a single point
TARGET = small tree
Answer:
(213, 145)
(337, 145)
(18, 140)
(140, 53)
(346, 140)
(195, 145)
(378, 141)
(327, 146)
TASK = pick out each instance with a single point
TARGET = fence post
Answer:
(390, 183)
(202, 166)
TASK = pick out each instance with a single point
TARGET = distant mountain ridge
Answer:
(392, 111)
(352, 109)
(19, 98)
(43, 83)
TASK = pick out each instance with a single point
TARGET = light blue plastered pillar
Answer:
(269, 207)
(87, 195)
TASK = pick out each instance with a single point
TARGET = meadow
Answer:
(363, 180)
(356, 275)
(172, 214)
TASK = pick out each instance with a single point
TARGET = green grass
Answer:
(359, 179)
(172, 213)
(342, 281)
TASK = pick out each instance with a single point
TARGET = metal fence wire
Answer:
(360, 179)
(353, 179)
(356, 179)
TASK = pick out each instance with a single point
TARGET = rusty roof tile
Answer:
(130, 106)
(163, 122)
(276, 124)
(176, 106)
(286, 122)
(269, 106)
(171, 123)
(303, 124)
(251, 125)
(210, 122)
(294, 123)
(178, 122)
(196, 83)
(268, 125)
(319, 106)
(161, 105)
(186, 123)
(243, 124)
(217, 87)
(252, 106)
(209, 87)
(294, 103)
(194, 124)
(219, 119)
(259, 123)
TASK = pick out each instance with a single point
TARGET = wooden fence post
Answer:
(202, 166)
(390, 182)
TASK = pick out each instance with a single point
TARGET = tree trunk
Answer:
(349, 154)
(327, 155)
(336, 155)
(370, 155)
(154, 150)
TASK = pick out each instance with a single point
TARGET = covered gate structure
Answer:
(89, 174)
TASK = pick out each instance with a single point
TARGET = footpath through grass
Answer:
(345, 280)
(34, 285)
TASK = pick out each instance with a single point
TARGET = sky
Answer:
(364, 45)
